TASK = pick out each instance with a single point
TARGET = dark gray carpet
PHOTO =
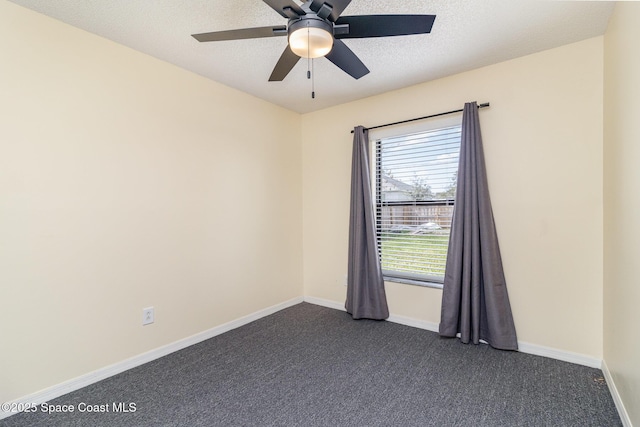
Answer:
(313, 366)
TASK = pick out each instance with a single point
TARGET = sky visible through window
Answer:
(423, 165)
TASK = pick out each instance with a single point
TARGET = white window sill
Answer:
(423, 283)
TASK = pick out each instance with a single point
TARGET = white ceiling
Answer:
(467, 34)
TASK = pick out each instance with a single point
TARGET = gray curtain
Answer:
(475, 302)
(366, 298)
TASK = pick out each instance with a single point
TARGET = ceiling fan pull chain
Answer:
(310, 72)
(308, 52)
(313, 81)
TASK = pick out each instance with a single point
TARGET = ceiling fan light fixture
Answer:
(310, 41)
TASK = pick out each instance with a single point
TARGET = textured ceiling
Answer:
(467, 34)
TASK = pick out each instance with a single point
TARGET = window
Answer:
(415, 182)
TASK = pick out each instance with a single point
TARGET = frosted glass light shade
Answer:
(311, 42)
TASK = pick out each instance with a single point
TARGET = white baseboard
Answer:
(325, 303)
(408, 321)
(622, 411)
(61, 389)
(392, 318)
(554, 353)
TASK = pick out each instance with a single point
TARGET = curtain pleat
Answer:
(366, 298)
(475, 302)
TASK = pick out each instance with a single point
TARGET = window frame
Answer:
(375, 137)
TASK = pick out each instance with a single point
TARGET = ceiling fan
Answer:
(316, 29)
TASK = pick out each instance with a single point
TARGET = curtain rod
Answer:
(486, 104)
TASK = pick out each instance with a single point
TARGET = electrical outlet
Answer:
(147, 316)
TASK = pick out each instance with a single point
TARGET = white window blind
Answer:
(415, 182)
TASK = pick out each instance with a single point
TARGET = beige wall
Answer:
(622, 204)
(126, 182)
(543, 146)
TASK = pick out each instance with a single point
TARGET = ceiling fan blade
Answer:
(385, 25)
(285, 8)
(244, 33)
(337, 6)
(346, 60)
(287, 61)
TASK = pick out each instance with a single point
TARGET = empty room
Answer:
(285, 212)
